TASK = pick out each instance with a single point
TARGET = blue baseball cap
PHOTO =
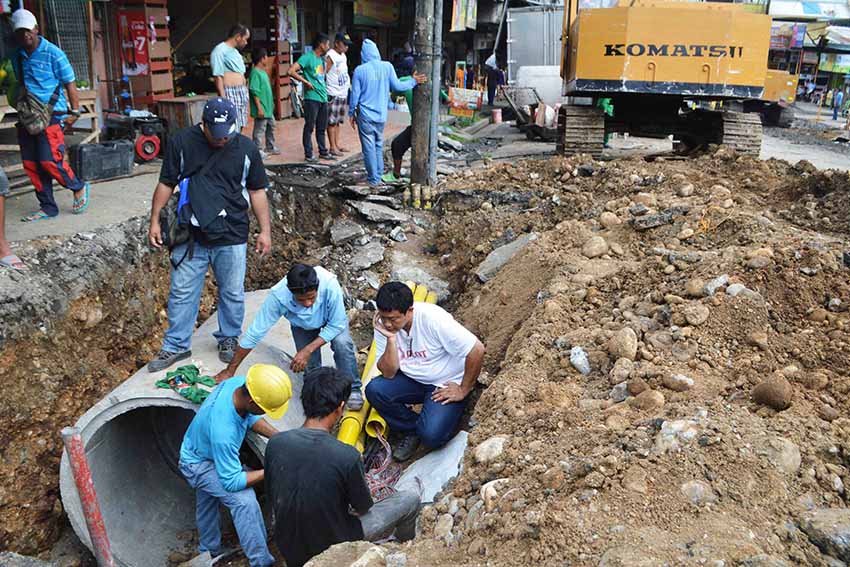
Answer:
(220, 118)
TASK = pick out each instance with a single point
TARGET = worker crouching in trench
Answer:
(425, 357)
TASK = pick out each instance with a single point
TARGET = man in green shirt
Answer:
(262, 104)
(310, 71)
(404, 140)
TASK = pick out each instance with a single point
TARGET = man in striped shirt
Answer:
(41, 69)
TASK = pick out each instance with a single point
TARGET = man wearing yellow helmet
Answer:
(209, 457)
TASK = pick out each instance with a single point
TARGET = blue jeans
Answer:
(434, 426)
(187, 282)
(372, 142)
(243, 506)
(342, 347)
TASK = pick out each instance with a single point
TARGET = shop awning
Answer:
(809, 10)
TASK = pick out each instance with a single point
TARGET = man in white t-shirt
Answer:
(425, 357)
(338, 83)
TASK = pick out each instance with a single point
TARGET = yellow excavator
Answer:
(661, 64)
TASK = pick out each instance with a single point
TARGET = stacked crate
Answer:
(158, 84)
(281, 85)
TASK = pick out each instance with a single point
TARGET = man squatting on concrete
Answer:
(209, 457)
(311, 300)
(425, 357)
(313, 480)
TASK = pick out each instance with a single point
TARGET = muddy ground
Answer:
(710, 298)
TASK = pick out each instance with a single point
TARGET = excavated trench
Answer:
(68, 348)
(90, 314)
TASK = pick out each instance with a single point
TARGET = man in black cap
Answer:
(338, 83)
(219, 173)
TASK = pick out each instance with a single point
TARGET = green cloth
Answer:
(408, 94)
(186, 381)
(313, 69)
(259, 86)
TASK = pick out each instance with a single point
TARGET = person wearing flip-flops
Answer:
(46, 69)
(8, 259)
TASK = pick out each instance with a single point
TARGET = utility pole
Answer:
(423, 44)
(437, 63)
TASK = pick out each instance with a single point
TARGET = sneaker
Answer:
(355, 401)
(327, 157)
(273, 151)
(165, 358)
(311, 159)
(263, 155)
(227, 349)
(406, 447)
(390, 177)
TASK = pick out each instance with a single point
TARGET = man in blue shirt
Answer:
(311, 300)
(43, 69)
(209, 457)
(370, 98)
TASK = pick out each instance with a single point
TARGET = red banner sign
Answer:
(134, 43)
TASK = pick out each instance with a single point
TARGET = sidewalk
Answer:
(118, 200)
(288, 137)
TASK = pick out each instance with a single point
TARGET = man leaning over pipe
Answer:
(311, 300)
(425, 357)
(313, 480)
(209, 457)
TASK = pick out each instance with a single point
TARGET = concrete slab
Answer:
(111, 202)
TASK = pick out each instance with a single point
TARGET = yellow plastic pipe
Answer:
(355, 425)
(375, 424)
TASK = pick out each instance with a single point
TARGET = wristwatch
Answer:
(76, 113)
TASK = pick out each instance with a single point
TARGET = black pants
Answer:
(315, 116)
(402, 143)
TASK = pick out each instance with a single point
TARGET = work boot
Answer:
(406, 447)
(227, 349)
(165, 358)
(355, 401)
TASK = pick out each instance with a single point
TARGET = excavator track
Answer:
(741, 132)
(581, 130)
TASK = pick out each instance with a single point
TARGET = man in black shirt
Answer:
(312, 480)
(219, 173)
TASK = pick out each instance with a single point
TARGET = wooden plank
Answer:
(160, 49)
(161, 65)
(161, 82)
(160, 15)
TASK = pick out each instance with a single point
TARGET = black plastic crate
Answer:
(102, 161)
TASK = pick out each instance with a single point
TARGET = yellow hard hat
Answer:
(270, 388)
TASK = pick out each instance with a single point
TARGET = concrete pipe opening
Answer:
(144, 500)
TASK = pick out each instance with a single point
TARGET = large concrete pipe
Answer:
(132, 441)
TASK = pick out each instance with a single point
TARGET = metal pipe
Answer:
(88, 498)
(437, 66)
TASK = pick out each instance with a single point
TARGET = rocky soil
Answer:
(667, 371)
(668, 366)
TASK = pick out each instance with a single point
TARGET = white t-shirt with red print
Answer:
(435, 350)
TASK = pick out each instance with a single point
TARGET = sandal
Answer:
(36, 216)
(12, 261)
(80, 205)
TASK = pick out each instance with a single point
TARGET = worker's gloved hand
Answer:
(299, 361)
(223, 375)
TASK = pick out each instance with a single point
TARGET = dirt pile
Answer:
(711, 427)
